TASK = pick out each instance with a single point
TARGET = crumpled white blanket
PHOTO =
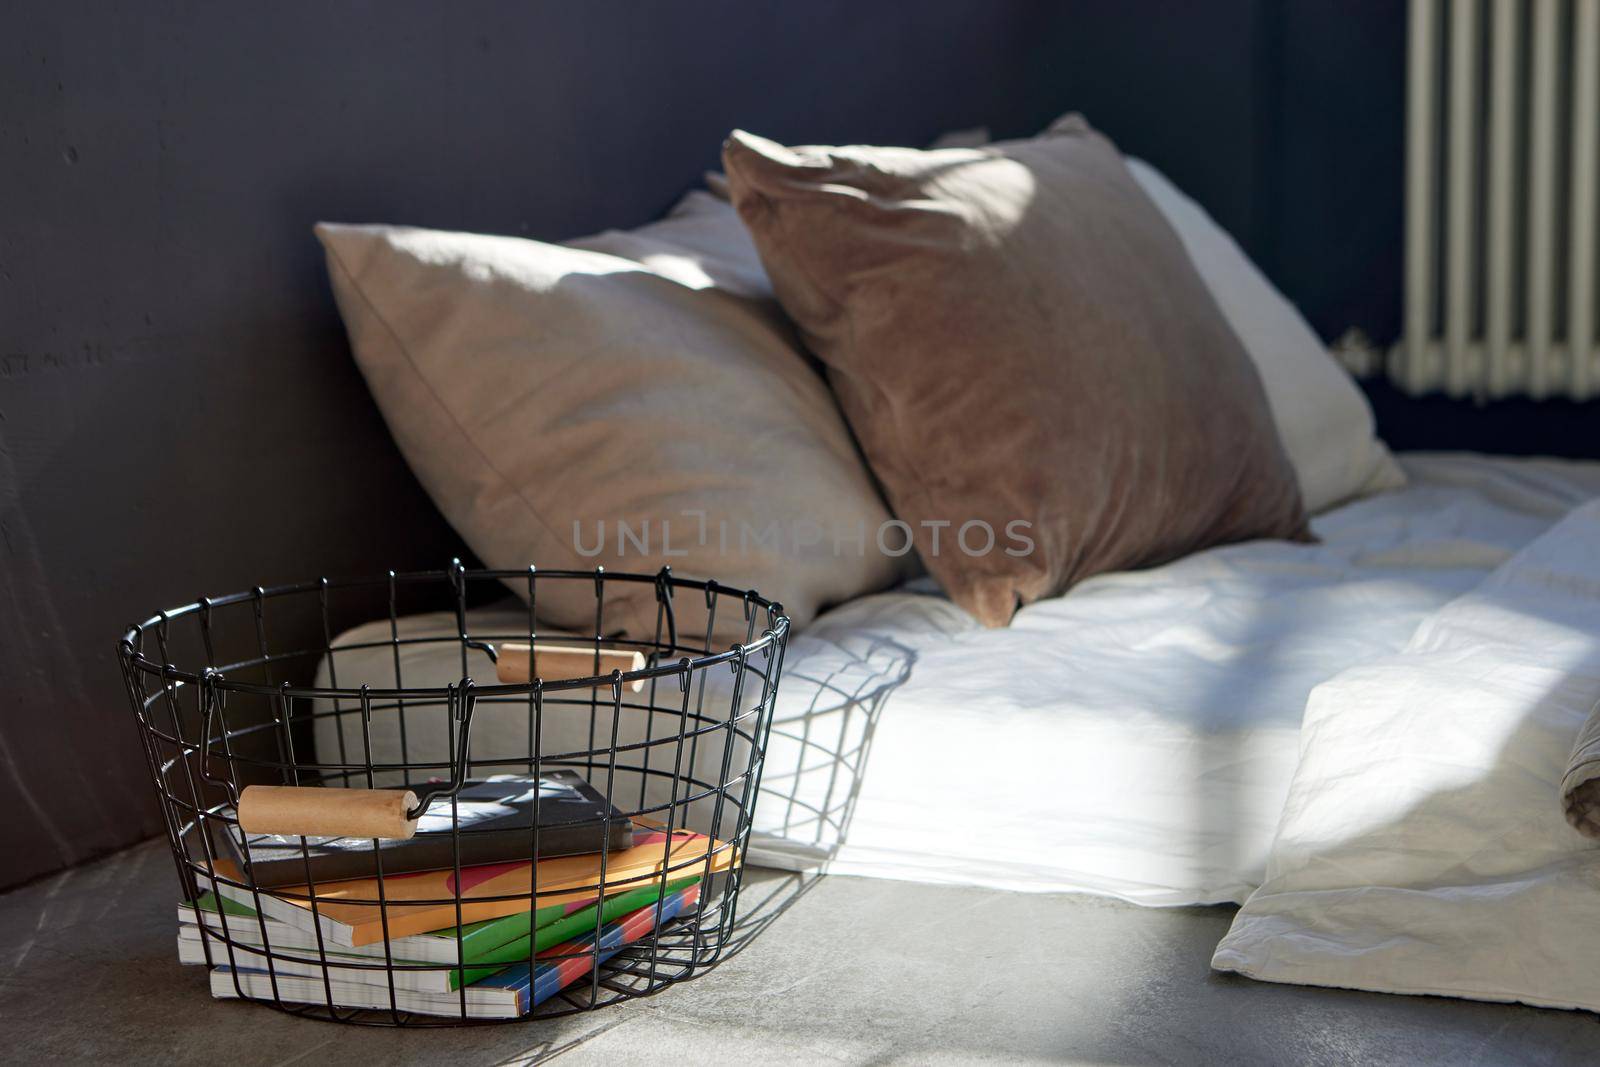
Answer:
(1580, 786)
(1423, 847)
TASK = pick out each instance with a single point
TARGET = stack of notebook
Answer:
(483, 945)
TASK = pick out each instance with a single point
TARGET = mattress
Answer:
(1135, 737)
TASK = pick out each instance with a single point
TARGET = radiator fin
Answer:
(1502, 187)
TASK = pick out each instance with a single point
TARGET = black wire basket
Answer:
(674, 748)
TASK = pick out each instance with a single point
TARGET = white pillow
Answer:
(1423, 847)
(539, 390)
(1324, 420)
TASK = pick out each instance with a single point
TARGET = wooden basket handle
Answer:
(317, 812)
(554, 662)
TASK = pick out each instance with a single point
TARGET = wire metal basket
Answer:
(676, 747)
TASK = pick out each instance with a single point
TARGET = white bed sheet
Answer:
(1133, 738)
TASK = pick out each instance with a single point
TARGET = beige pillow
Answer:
(544, 393)
(1025, 352)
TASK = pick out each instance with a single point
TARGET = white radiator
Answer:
(1502, 124)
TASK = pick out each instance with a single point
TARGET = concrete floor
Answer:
(849, 971)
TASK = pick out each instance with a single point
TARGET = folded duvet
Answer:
(1425, 845)
(1580, 788)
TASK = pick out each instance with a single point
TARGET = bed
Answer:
(1134, 738)
(1229, 668)
(1238, 655)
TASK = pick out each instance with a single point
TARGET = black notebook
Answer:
(495, 819)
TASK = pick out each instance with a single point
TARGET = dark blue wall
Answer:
(1287, 120)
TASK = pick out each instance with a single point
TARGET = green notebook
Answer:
(492, 943)
(576, 924)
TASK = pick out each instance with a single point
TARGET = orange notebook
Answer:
(560, 879)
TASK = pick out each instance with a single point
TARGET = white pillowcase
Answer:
(1423, 847)
(1323, 419)
(539, 390)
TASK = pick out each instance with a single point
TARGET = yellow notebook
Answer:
(417, 903)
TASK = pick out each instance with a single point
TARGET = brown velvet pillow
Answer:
(1022, 348)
